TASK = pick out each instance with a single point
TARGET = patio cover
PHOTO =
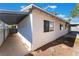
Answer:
(11, 17)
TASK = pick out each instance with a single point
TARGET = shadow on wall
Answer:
(68, 39)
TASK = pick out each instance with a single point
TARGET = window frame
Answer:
(61, 27)
(48, 25)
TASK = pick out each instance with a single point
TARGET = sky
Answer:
(62, 9)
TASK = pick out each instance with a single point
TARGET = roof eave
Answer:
(32, 5)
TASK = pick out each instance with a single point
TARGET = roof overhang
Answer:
(11, 17)
(31, 6)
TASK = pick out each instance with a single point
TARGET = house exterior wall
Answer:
(3, 32)
(25, 31)
(40, 37)
(6, 31)
(1, 36)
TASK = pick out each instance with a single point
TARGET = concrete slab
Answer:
(13, 46)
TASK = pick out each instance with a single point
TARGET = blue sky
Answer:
(60, 8)
(63, 9)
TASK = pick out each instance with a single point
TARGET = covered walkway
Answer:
(13, 46)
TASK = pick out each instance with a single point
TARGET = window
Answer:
(48, 26)
(61, 27)
(51, 26)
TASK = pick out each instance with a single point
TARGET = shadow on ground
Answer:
(68, 39)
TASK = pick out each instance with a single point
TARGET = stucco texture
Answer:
(40, 37)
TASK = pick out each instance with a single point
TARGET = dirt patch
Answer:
(66, 45)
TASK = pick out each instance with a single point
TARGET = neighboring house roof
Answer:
(75, 20)
(12, 17)
(27, 8)
(74, 24)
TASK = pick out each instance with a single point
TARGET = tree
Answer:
(75, 11)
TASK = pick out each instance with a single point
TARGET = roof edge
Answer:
(32, 5)
(11, 11)
(27, 7)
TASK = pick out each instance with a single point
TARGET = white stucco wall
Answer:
(40, 37)
(1, 37)
(5, 31)
(59, 32)
(3, 34)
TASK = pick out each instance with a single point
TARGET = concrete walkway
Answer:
(67, 45)
(13, 46)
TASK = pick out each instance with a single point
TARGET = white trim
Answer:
(31, 19)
